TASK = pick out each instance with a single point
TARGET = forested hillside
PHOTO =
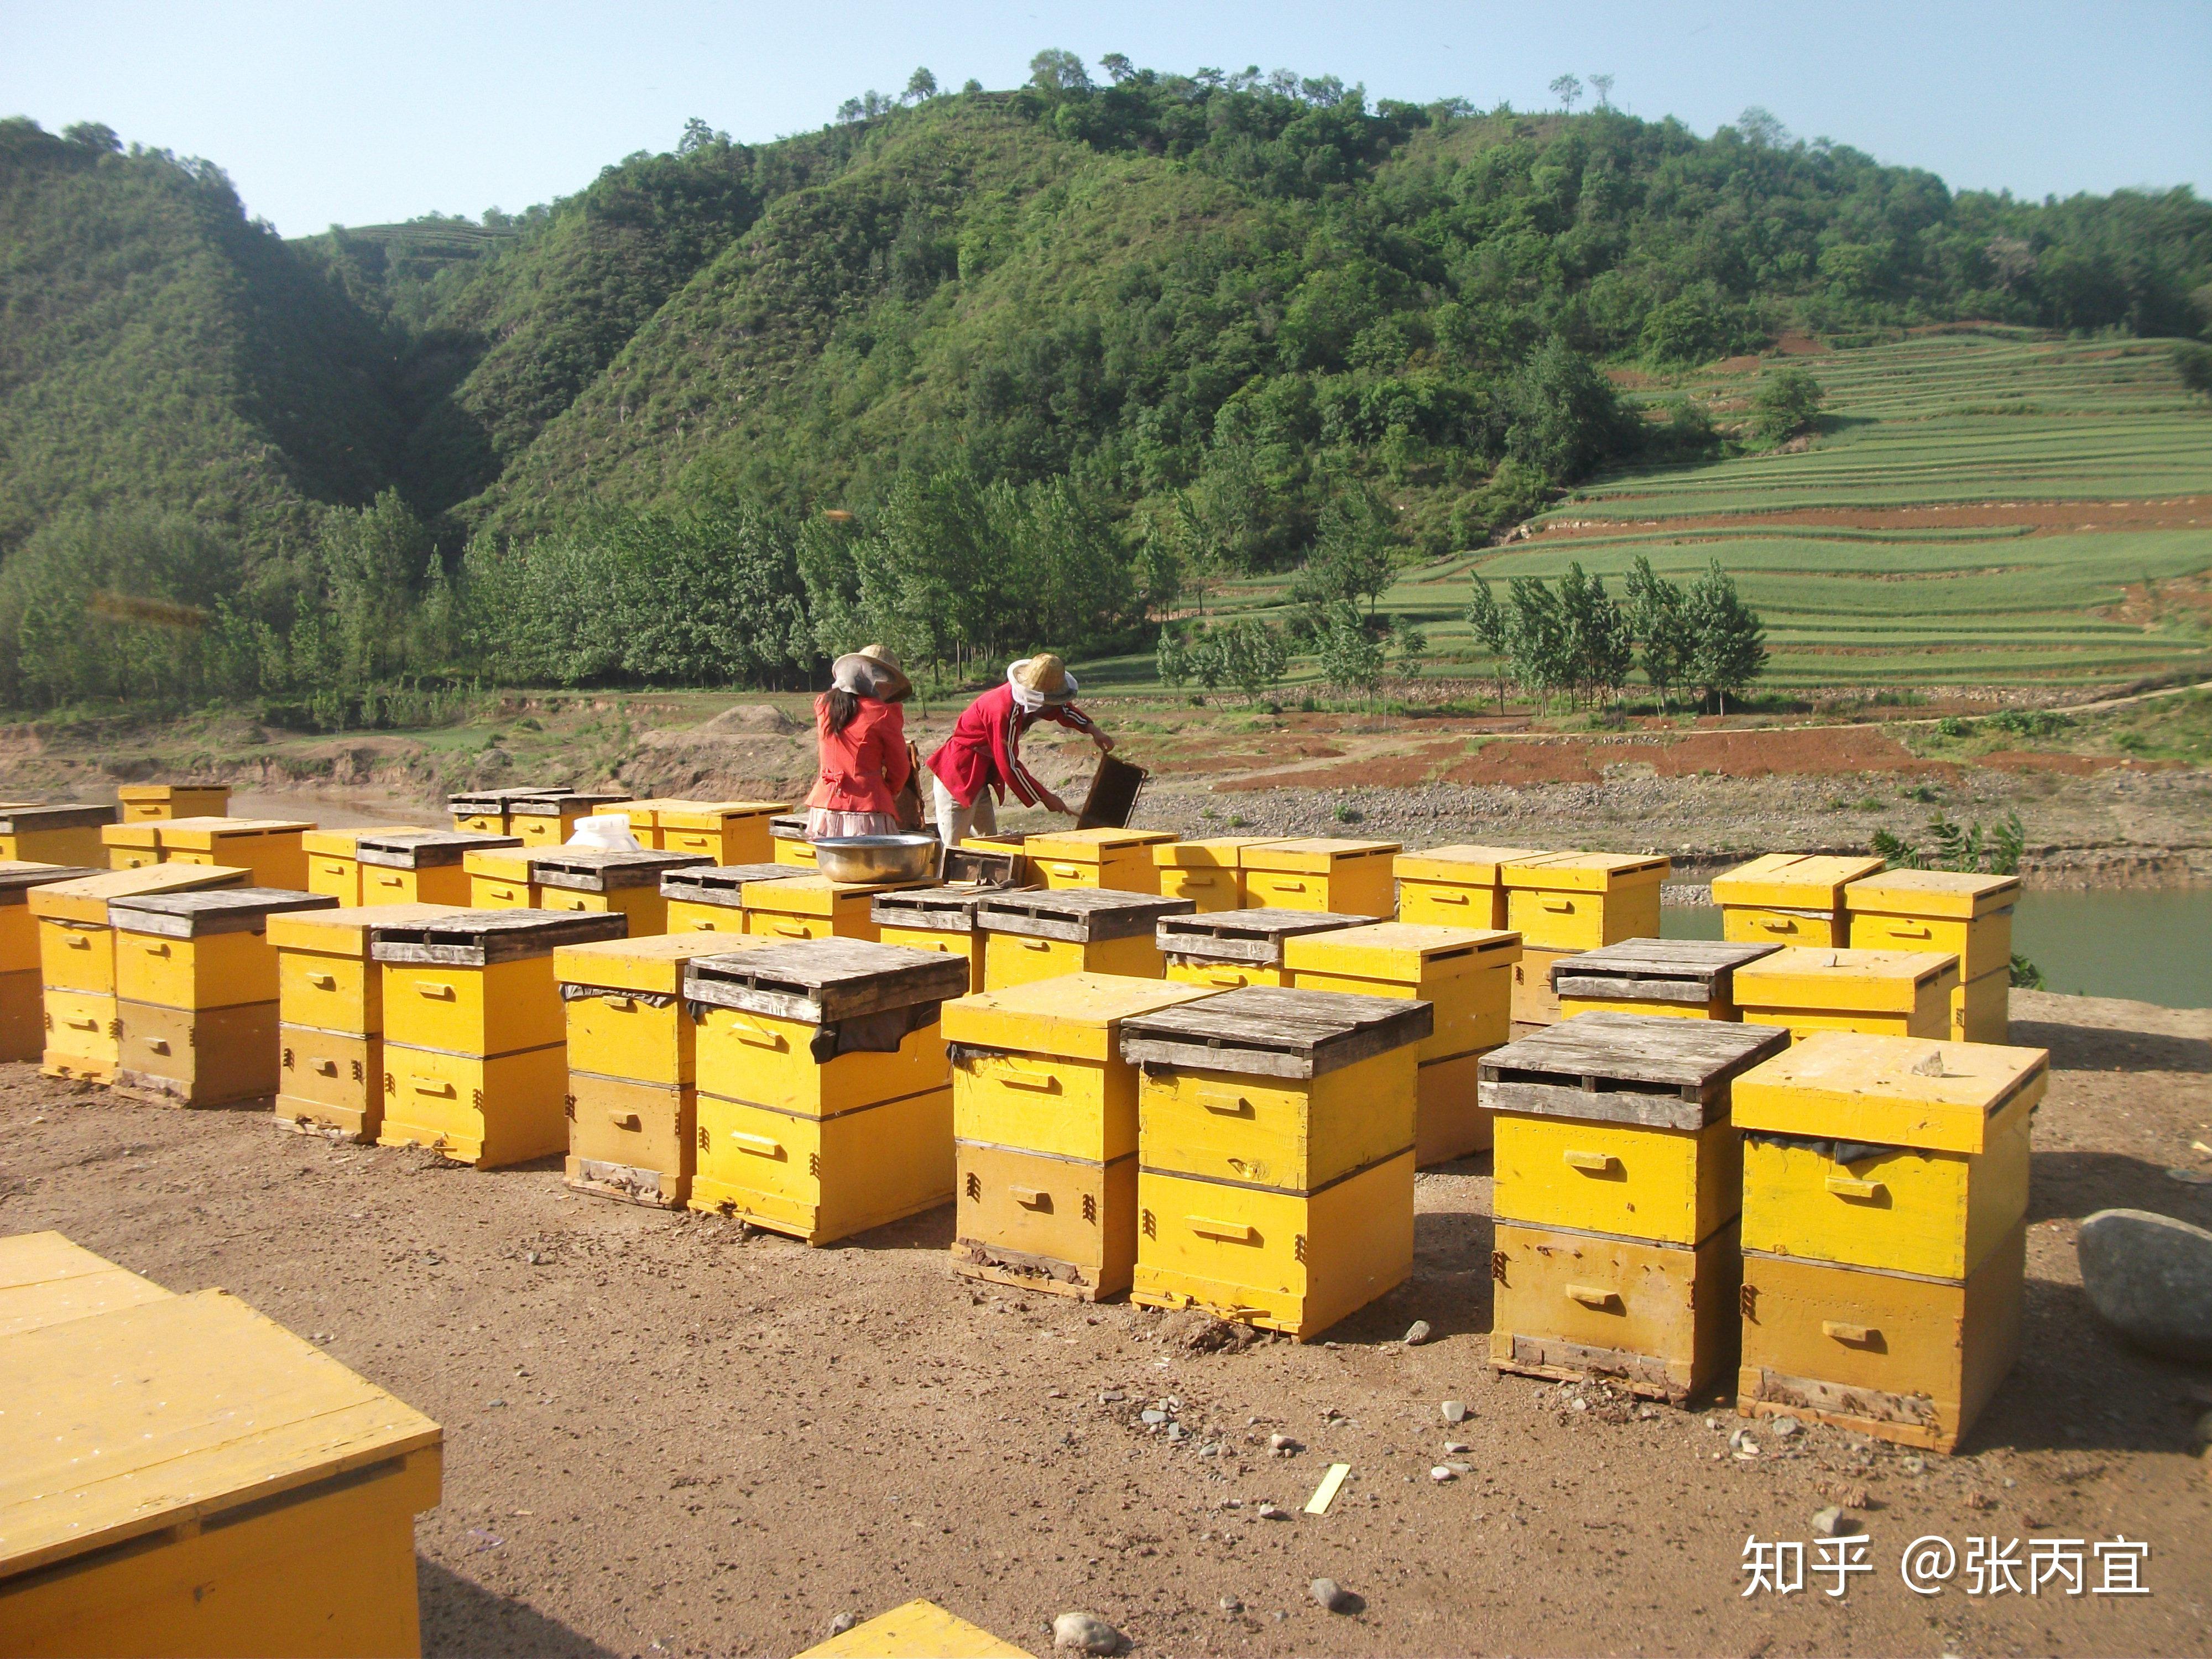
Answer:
(967, 371)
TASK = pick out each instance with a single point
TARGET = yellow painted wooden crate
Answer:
(548, 820)
(710, 898)
(1321, 873)
(333, 866)
(1456, 886)
(1032, 935)
(22, 989)
(1685, 978)
(788, 831)
(1970, 915)
(618, 883)
(1788, 898)
(44, 1279)
(918, 1630)
(330, 1083)
(484, 811)
(144, 802)
(800, 907)
(168, 1466)
(55, 835)
(428, 866)
(1208, 873)
(501, 878)
(1275, 1150)
(1580, 901)
(940, 918)
(1878, 993)
(1119, 859)
(76, 960)
(1888, 1153)
(475, 1053)
(270, 847)
(133, 844)
(1981, 1009)
(724, 832)
(1535, 1003)
(1658, 1319)
(1044, 1117)
(224, 1057)
(1464, 973)
(1227, 950)
(824, 1099)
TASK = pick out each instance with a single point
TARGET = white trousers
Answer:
(955, 823)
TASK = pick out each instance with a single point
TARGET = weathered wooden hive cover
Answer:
(1265, 1031)
(424, 849)
(1079, 916)
(221, 910)
(477, 938)
(823, 981)
(1256, 936)
(1627, 1068)
(1686, 970)
(603, 869)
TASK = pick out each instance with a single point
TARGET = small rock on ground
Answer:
(1454, 1411)
(842, 1623)
(2149, 1277)
(1086, 1633)
(1417, 1333)
(1833, 1523)
(1335, 1597)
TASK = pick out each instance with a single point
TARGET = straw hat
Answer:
(1045, 677)
(874, 671)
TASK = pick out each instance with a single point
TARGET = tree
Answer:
(1536, 639)
(1760, 129)
(1055, 71)
(1658, 617)
(1729, 642)
(1566, 416)
(1351, 656)
(919, 85)
(1787, 403)
(1602, 85)
(1596, 644)
(1567, 88)
(1246, 653)
(2193, 362)
(1490, 626)
(1118, 68)
(1355, 554)
(697, 135)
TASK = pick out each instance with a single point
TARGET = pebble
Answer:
(1913, 1465)
(1335, 1597)
(1440, 1474)
(1271, 1512)
(1455, 1446)
(1743, 1445)
(1784, 1427)
(1086, 1633)
(1230, 1604)
(1112, 1397)
(1151, 1414)
(1833, 1523)
(1454, 1411)
(1417, 1333)
(1283, 1442)
(1177, 1432)
(1578, 1404)
(842, 1623)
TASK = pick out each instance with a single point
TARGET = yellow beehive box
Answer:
(1686, 978)
(1455, 886)
(711, 898)
(426, 866)
(1969, 915)
(597, 878)
(1464, 973)
(1227, 950)
(476, 1056)
(1579, 901)
(1119, 859)
(1321, 873)
(47, 1280)
(1955, 1100)
(333, 867)
(22, 991)
(502, 877)
(548, 819)
(632, 1115)
(142, 803)
(824, 1098)
(788, 831)
(1879, 993)
(987, 861)
(643, 814)
(1788, 898)
(270, 847)
(76, 960)
(1275, 1151)
(132, 845)
(940, 918)
(484, 811)
(796, 906)
(721, 831)
(1208, 873)
(918, 1630)
(55, 835)
(168, 1466)
(1075, 930)
(1044, 1119)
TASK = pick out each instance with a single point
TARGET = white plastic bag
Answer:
(609, 831)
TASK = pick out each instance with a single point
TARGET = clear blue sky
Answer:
(364, 113)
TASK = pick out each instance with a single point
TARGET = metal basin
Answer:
(876, 857)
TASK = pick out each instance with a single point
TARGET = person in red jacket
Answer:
(861, 733)
(982, 758)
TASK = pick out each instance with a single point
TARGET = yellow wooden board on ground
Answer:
(919, 1629)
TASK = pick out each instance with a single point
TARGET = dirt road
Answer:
(665, 1437)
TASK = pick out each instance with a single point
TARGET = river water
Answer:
(2146, 947)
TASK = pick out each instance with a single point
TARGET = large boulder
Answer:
(2149, 1277)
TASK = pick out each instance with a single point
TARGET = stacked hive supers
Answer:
(711, 898)
(1884, 1231)
(723, 832)
(1227, 950)
(1119, 859)
(55, 835)
(1879, 993)
(139, 803)
(420, 866)
(1687, 978)
(1466, 977)
(824, 1098)
(621, 882)
(476, 1059)
(330, 1006)
(1455, 886)
(1275, 1153)
(196, 992)
(1788, 898)
(22, 993)
(1618, 1181)
(1044, 1115)
(76, 960)
(788, 831)
(1563, 903)
(796, 906)
(270, 849)
(547, 819)
(1969, 915)
(1042, 935)
(1209, 872)
(1320, 873)
(940, 918)
(502, 876)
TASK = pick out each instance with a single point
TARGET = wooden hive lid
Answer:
(1211, 852)
(493, 800)
(215, 910)
(1403, 952)
(788, 826)
(87, 898)
(1835, 977)
(507, 859)
(1947, 893)
(790, 893)
(717, 883)
(985, 866)
(1074, 1017)
(916, 1630)
(1258, 936)
(1078, 915)
(1792, 881)
(426, 849)
(1692, 971)
(204, 832)
(1313, 853)
(18, 877)
(162, 792)
(46, 1279)
(346, 931)
(1267, 1031)
(1469, 865)
(1089, 846)
(604, 870)
(330, 843)
(714, 814)
(1584, 873)
(947, 909)
(553, 804)
(16, 820)
(822, 981)
(1652, 1069)
(653, 964)
(1891, 1092)
(181, 1408)
(477, 938)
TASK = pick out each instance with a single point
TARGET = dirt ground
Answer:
(666, 1435)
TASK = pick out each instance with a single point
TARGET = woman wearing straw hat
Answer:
(982, 758)
(861, 733)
